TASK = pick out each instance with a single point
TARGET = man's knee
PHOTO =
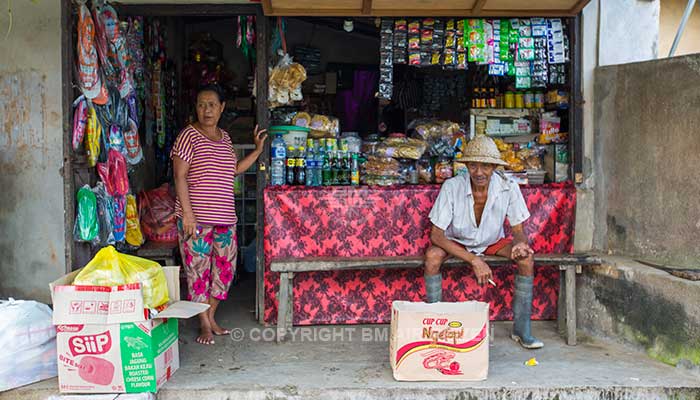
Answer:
(526, 266)
(434, 257)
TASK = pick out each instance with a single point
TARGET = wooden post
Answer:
(262, 48)
(67, 94)
(285, 302)
(571, 305)
(561, 302)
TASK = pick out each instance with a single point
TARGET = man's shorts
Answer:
(494, 248)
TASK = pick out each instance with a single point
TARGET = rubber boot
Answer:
(522, 311)
(433, 288)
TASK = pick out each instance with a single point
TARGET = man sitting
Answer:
(468, 218)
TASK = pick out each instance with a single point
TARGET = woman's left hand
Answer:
(259, 137)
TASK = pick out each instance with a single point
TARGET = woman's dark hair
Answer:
(212, 88)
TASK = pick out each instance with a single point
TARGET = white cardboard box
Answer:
(439, 341)
(107, 344)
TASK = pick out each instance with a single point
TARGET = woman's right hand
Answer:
(189, 224)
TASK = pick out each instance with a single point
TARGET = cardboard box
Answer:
(439, 341)
(107, 343)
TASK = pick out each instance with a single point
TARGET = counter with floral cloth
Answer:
(370, 221)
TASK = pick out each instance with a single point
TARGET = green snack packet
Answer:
(522, 68)
(511, 68)
(475, 32)
(523, 82)
(477, 53)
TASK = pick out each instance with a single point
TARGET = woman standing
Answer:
(205, 166)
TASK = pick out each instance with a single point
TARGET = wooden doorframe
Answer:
(68, 50)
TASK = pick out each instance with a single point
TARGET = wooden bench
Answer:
(158, 251)
(566, 308)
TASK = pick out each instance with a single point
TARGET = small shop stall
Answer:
(346, 188)
(139, 68)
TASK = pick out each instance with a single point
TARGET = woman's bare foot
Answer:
(206, 334)
(215, 328)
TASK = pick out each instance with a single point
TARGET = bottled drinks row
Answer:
(492, 98)
(321, 163)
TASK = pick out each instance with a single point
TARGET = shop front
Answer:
(382, 102)
(440, 78)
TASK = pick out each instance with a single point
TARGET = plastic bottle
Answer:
(310, 166)
(291, 164)
(278, 161)
(300, 170)
(355, 171)
(335, 167)
(327, 173)
(318, 171)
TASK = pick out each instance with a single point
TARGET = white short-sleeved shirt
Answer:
(453, 211)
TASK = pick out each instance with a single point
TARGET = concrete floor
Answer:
(352, 362)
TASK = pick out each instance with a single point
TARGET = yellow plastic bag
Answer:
(111, 268)
(133, 227)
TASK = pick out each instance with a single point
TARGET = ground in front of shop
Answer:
(352, 362)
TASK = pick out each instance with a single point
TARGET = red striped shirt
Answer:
(210, 177)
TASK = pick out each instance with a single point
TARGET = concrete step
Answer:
(351, 362)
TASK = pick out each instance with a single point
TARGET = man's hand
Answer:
(520, 251)
(481, 270)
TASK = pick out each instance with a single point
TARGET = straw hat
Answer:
(484, 150)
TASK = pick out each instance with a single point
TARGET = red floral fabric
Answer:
(378, 221)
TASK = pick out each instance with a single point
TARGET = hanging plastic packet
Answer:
(86, 225)
(105, 214)
(497, 69)
(114, 174)
(539, 66)
(93, 133)
(555, 41)
(135, 44)
(523, 82)
(134, 153)
(461, 61)
(496, 56)
(539, 27)
(414, 57)
(475, 41)
(88, 68)
(438, 34)
(115, 139)
(134, 236)
(526, 49)
(504, 51)
(525, 28)
(386, 59)
(117, 52)
(80, 116)
(102, 45)
(425, 58)
(118, 174)
(400, 41)
(119, 218)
